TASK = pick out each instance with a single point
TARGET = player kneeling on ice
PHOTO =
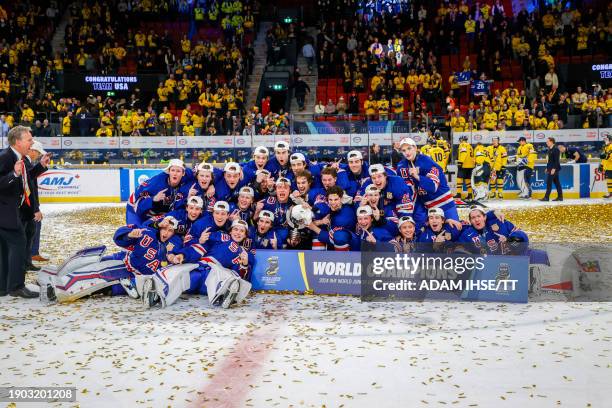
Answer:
(88, 272)
(438, 231)
(220, 270)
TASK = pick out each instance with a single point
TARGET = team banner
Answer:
(490, 278)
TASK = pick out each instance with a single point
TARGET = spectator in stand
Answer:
(341, 107)
(330, 108)
(308, 53)
(301, 89)
(319, 110)
(265, 106)
(375, 154)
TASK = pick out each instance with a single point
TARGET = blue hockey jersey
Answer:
(147, 253)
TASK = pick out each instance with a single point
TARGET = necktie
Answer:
(26, 186)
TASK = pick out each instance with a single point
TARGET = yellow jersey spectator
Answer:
(67, 124)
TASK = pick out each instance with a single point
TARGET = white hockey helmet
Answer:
(261, 150)
(364, 210)
(266, 214)
(436, 211)
(232, 168)
(172, 222)
(405, 219)
(297, 157)
(354, 155)
(205, 167)
(246, 190)
(240, 223)
(282, 180)
(195, 200)
(407, 141)
(221, 206)
(281, 145)
(477, 208)
(174, 162)
(371, 189)
(375, 169)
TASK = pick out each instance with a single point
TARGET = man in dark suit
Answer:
(553, 168)
(14, 192)
(30, 214)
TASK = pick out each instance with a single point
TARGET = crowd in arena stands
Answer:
(395, 58)
(205, 74)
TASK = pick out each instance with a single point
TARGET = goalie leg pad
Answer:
(88, 279)
(81, 259)
(172, 281)
(219, 281)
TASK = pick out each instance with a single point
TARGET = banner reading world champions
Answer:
(502, 279)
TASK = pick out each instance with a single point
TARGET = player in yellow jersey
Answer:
(426, 147)
(499, 161)
(606, 163)
(437, 154)
(481, 172)
(465, 164)
(525, 158)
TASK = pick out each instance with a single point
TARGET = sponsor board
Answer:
(84, 185)
(329, 272)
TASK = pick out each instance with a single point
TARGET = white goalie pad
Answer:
(170, 282)
(83, 281)
(481, 189)
(220, 283)
(80, 259)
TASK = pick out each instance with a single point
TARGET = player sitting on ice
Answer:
(264, 236)
(202, 187)
(217, 221)
(367, 234)
(157, 195)
(147, 251)
(340, 219)
(488, 234)
(405, 241)
(243, 209)
(186, 217)
(437, 232)
(222, 273)
(429, 183)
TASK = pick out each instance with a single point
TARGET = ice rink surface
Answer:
(311, 351)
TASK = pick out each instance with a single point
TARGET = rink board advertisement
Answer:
(329, 272)
(82, 185)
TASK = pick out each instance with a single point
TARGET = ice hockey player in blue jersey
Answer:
(357, 172)
(222, 271)
(405, 240)
(517, 240)
(202, 187)
(278, 166)
(429, 183)
(366, 232)
(228, 186)
(480, 238)
(258, 163)
(263, 235)
(157, 195)
(147, 250)
(299, 163)
(243, 208)
(340, 219)
(437, 234)
(395, 196)
(277, 204)
(217, 221)
(305, 191)
(186, 217)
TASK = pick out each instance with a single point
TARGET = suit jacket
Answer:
(554, 158)
(27, 212)
(11, 190)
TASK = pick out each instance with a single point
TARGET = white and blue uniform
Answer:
(432, 190)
